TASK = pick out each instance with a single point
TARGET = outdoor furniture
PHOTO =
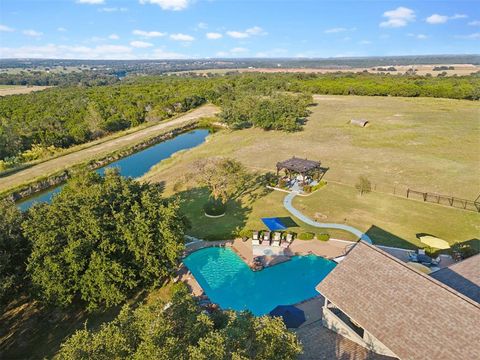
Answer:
(284, 244)
(255, 238)
(289, 238)
(266, 238)
(436, 261)
(291, 315)
(276, 239)
(424, 259)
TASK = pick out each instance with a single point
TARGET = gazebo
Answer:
(297, 166)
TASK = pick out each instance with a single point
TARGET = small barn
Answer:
(359, 122)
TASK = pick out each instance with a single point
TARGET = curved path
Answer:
(287, 203)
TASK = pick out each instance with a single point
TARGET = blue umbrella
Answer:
(292, 316)
(274, 224)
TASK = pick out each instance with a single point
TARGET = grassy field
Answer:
(388, 219)
(459, 69)
(410, 143)
(19, 89)
(101, 147)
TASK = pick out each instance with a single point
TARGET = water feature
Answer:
(229, 282)
(137, 164)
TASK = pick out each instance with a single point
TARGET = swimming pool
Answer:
(229, 282)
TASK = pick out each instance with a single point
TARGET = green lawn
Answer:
(411, 142)
(387, 219)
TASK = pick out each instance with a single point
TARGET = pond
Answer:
(230, 283)
(134, 165)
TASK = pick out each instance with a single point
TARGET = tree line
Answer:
(63, 117)
(101, 241)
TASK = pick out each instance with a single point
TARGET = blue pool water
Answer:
(137, 164)
(229, 282)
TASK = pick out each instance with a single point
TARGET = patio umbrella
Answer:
(292, 316)
(434, 242)
(274, 224)
(420, 267)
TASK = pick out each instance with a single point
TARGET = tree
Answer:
(182, 331)
(363, 185)
(14, 250)
(222, 176)
(101, 238)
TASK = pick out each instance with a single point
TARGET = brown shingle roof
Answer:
(298, 165)
(463, 277)
(412, 314)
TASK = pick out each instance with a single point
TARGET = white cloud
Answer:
(202, 25)
(272, 53)
(474, 23)
(474, 36)
(238, 50)
(163, 54)
(113, 9)
(237, 34)
(141, 44)
(91, 2)
(32, 33)
(148, 34)
(61, 29)
(418, 36)
(113, 37)
(437, 19)
(181, 37)
(214, 36)
(442, 19)
(256, 30)
(53, 51)
(399, 17)
(5, 28)
(335, 30)
(174, 5)
(365, 42)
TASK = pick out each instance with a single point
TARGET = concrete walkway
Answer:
(287, 203)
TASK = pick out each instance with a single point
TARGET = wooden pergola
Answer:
(300, 166)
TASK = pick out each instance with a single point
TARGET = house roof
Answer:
(463, 276)
(298, 165)
(414, 315)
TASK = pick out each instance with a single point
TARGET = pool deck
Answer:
(318, 341)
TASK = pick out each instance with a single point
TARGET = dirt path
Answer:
(102, 149)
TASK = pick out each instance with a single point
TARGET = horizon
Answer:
(189, 30)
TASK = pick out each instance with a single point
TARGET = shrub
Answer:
(323, 237)
(282, 184)
(307, 188)
(214, 208)
(319, 185)
(306, 236)
(245, 233)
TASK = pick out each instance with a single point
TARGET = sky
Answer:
(166, 29)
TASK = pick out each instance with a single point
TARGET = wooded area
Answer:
(66, 116)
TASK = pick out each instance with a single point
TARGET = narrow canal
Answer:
(134, 165)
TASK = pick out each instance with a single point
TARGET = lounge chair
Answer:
(284, 244)
(289, 238)
(276, 239)
(255, 239)
(266, 238)
(436, 261)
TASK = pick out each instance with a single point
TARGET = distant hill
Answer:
(122, 67)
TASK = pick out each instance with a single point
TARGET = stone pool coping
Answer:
(328, 249)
